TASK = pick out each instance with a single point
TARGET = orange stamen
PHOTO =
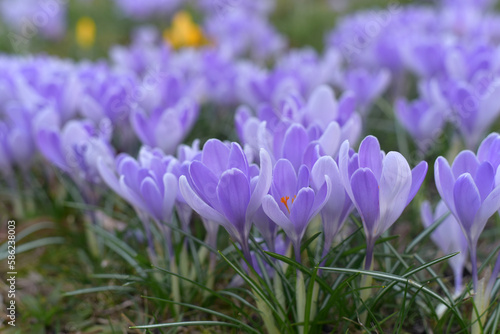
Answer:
(284, 200)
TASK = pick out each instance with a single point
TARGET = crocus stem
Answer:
(481, 302)
(369, 254)
(149, 238)
(473, 260)
(314, 304)
(266, 313)
(176, 291)
(278, 290)
(300, 291)
(366, 280)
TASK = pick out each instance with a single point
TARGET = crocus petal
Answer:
(369, 155)
(215, 156)
(301, 209)
(141, 128)
(490, 205)
(344, 167)
(467, 201)
(444, 182)
(417, 177)
(321, 198)
(302, 178)
(322, 106)
(263, 184)
(330, 139)
(108, 176)
(170, 185)
(284, 181)
(130, 195)
(50, 145)
(334, 208)
(203, 209)
(233, 192)
(272, 210)
(395, 184)
(366, 198)
(295, 144)
(465, 162)
(205, 183)
(152, 198)
(484, 179)
(237, 159)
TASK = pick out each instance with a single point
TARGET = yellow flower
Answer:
(85, 32)
(184, 32)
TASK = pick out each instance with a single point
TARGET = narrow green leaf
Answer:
(33, 245)
(206, 310)
(98, 289)
(389, 277)
(187, 323)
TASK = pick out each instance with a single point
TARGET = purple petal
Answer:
(344, 167)
(302, 178)
(141, 128)
(330, 139)
(108, 176)
(465, 162)
(445, 182)
(272, 210)
(152, 198)
(50, 145)
(366, 198)
(203, 209)
(369, 155)
(170, 185)
(490, 205)
(133, 197)
(395, 184)
(484, 179)
(295, 144)
(215, 156)
(237, 159)
(322, 106)
(233, 192)
(263, 184)
(417, 177)
(467, 201)
(301, 210)
(205, 183)
(322, 197)
(284, 182)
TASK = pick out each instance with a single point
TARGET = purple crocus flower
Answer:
(367, 86)
(489, 150)
(296, 128)
(468, 189)
(380, 186)
(30, 17)
(425, 117)
(475, 110)
(76, 147)
(292, 203)
(448, 236)
(144, 183)
(175, 121)
(17, 146)
(222, 187)
(338, 206)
